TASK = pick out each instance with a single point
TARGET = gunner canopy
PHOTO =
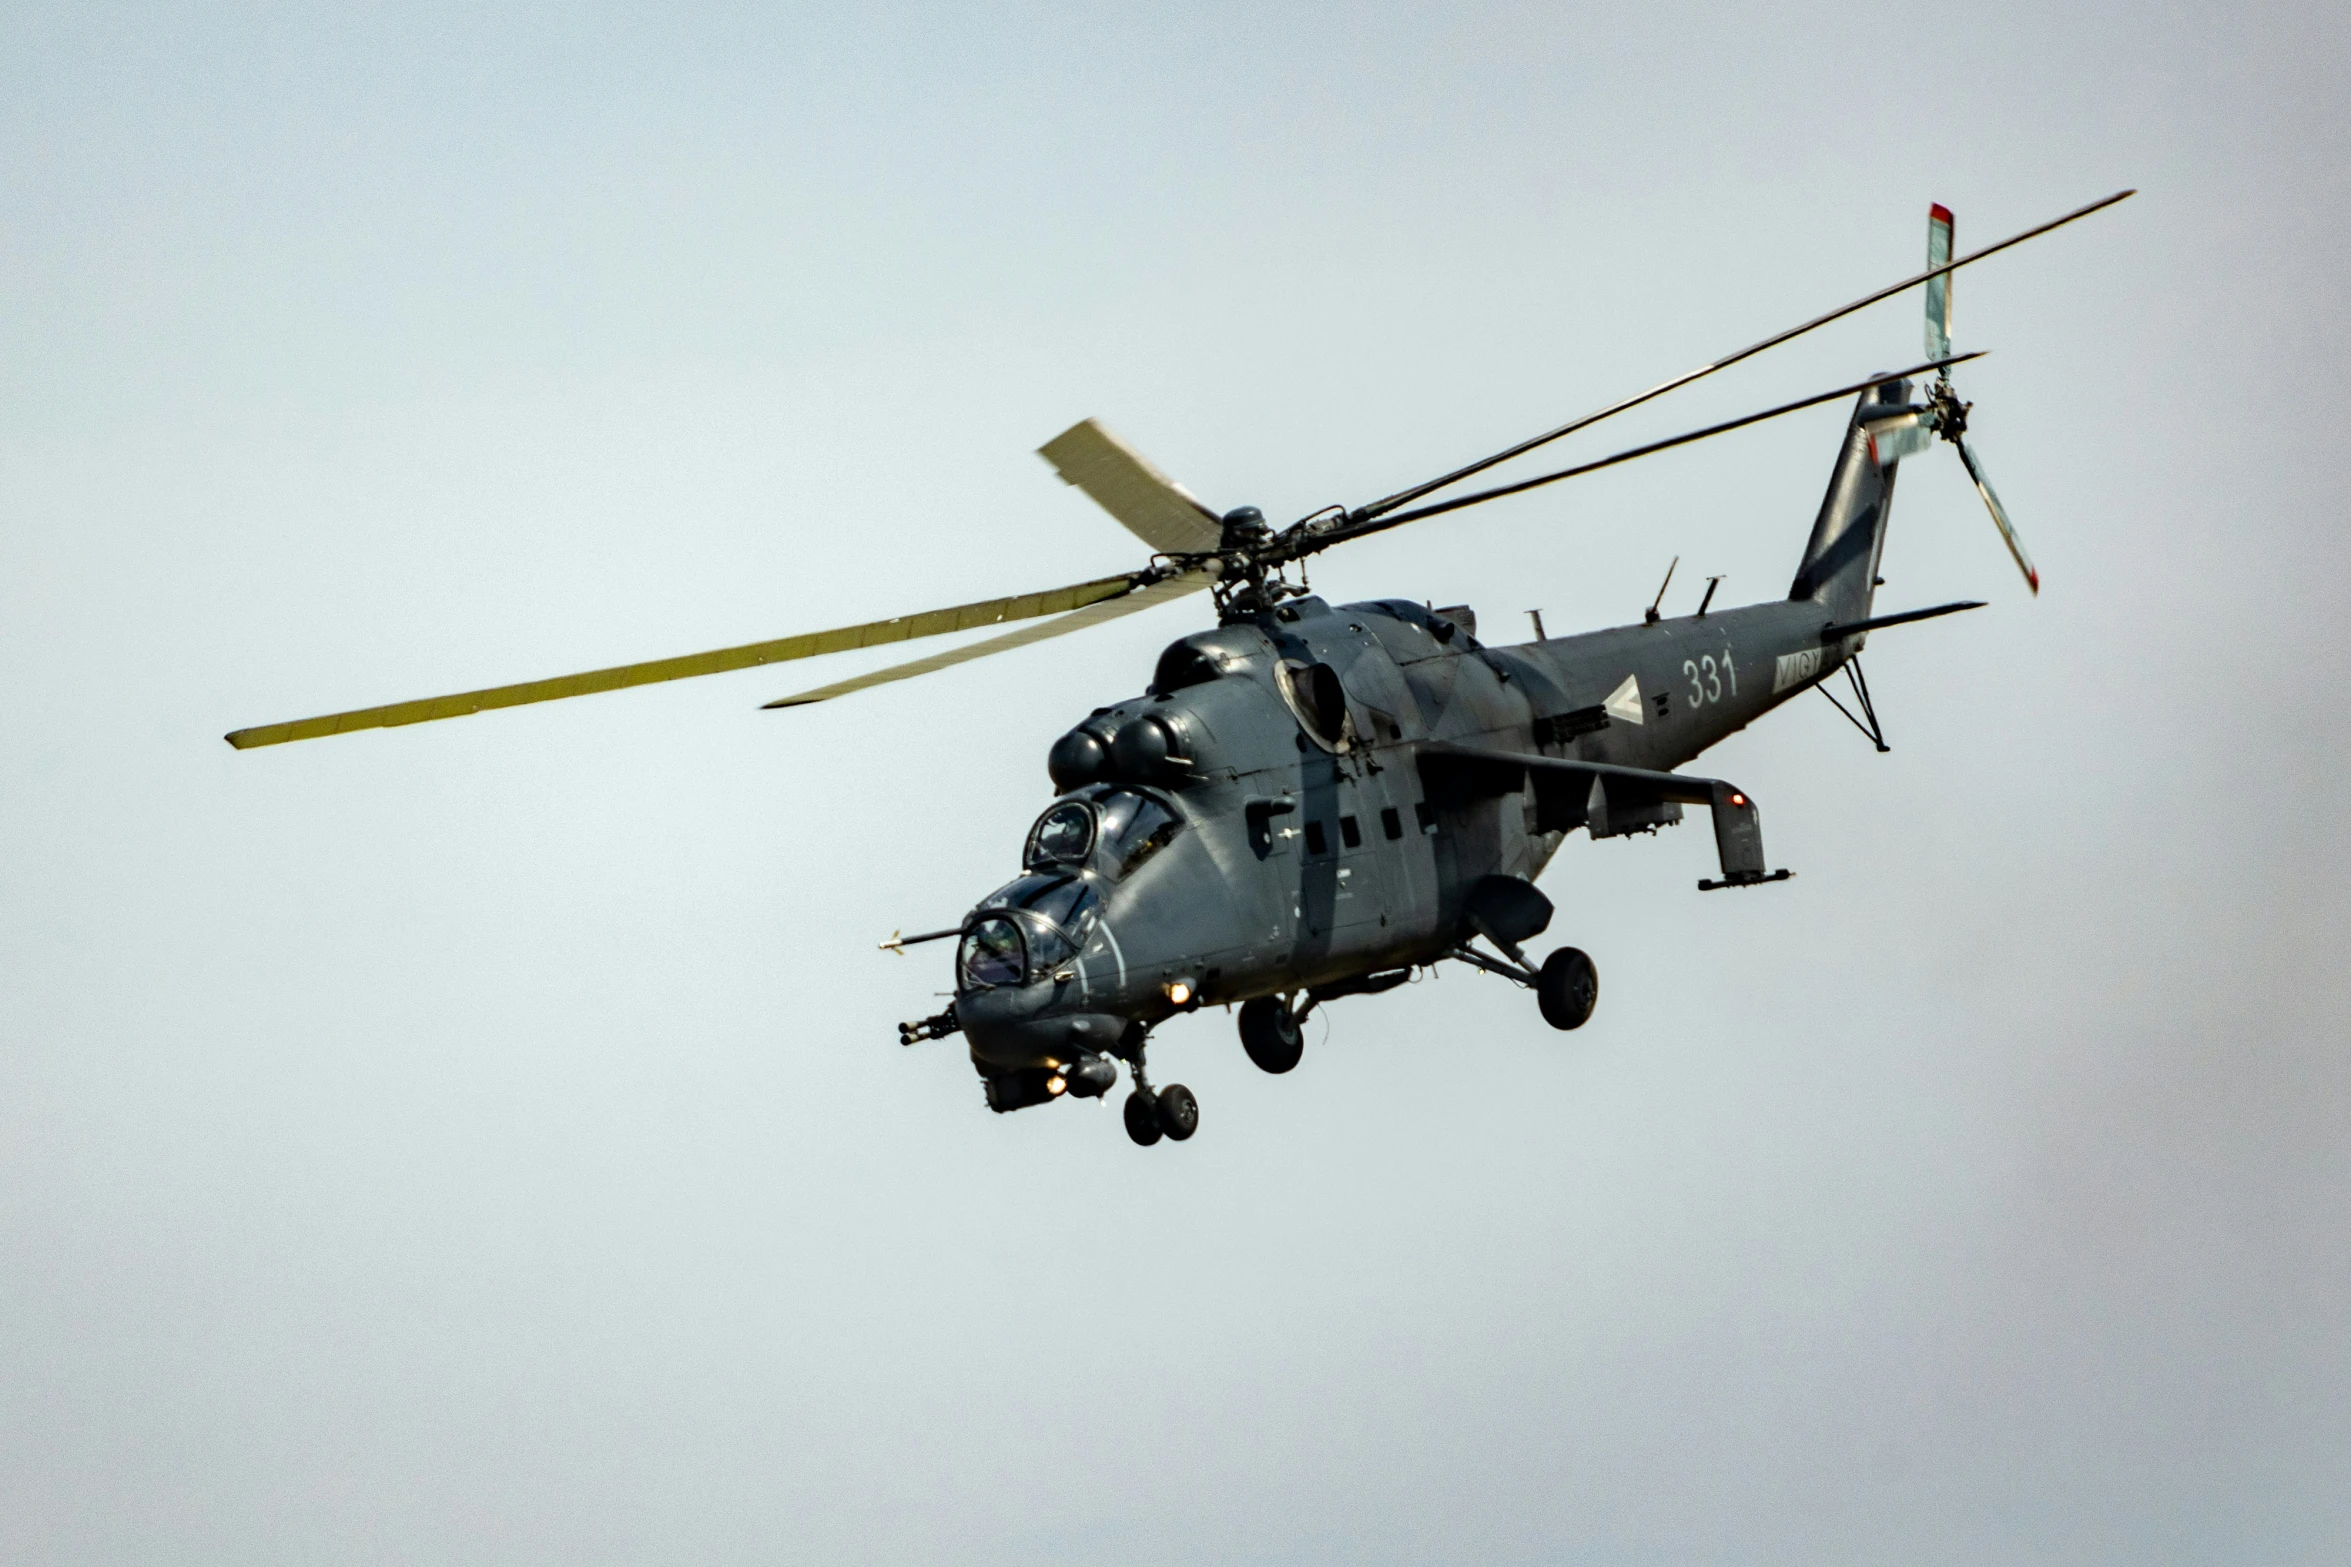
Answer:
(1032, 928)
(1027, 931)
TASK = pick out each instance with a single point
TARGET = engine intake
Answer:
(1145, 750)
(1078, 758)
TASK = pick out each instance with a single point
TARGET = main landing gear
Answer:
(1271, 1035)
(1273, 1027)
(1567, 988)
(1151, 1114)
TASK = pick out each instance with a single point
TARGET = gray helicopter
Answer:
(1312, 801)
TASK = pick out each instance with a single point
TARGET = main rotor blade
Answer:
(1079, 620)
(1437, 509)
(901, 628)
(1387, 504)
(1975, 471)
(1145, 502)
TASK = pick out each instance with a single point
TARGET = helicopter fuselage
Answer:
(1327, 830)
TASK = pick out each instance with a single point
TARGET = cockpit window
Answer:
(1060, 914)
(1056, 895)
(1067, 914)
(1064, 835)
(992, 955)
(1135, 827)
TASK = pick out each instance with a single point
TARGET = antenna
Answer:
(1649, 615)
(1536, 616)
(1712, 583)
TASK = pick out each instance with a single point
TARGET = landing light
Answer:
(1054, 1085)
(1179, 991)
(1737, 798)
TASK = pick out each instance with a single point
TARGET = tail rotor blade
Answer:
(1939, 285)
(1975, 471)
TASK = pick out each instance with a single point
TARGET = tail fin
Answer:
(1840, 569)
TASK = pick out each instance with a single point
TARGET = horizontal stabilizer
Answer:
(1833, 632)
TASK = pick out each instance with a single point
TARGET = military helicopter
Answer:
(1313, 801)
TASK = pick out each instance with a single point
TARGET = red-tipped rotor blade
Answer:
(1939, 286)
(1983, 486)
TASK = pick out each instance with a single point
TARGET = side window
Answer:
(1151, 843)
(1422, 813)
(1067, 909)
(1180, 666)
(1316, 843)
(1350, 834)
(1390, 823)
(1063, 836)
(1134, 828)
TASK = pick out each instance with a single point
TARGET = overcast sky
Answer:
(487, 1142)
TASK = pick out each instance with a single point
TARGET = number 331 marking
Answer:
(1706, 677)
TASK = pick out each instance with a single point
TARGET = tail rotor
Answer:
(1946, 413)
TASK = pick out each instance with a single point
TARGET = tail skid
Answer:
(1872, 730)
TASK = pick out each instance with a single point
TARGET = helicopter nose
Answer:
(1010, 1031)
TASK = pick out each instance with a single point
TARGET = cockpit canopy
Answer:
(993, 954)
(1208, 655)
(1027, 930)
(1109, 829)
(1031, 928)
(1064, 835)
(1180, 666)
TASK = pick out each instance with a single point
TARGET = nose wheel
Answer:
(1171, 1113)
(1151, 1114)
(1142, 1119)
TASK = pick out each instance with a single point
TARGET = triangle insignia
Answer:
(1624, 703)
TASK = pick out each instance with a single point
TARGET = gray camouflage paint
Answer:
(1240, 904)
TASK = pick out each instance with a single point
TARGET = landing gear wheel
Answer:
(1270, 1033)
(1143, 1119)
(1179, 1112)
(1568, 988)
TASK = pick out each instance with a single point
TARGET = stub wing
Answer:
(1571, 793)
